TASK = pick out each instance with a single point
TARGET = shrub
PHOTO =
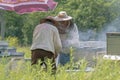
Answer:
(13, 41)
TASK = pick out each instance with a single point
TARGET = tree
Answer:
(87, 14)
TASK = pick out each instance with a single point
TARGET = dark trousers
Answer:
(64, 58)
(40, 54)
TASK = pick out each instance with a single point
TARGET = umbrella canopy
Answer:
(27, 6)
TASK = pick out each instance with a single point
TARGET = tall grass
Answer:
(103, 70)
(25, 50)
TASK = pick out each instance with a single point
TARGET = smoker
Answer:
(113, 43)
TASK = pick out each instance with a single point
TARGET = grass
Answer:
(103, 70)
(25, 50)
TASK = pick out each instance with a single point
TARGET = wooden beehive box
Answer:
(113, 43)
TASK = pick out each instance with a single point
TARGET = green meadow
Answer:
(103, 70)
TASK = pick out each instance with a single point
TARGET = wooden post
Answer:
(2, 26)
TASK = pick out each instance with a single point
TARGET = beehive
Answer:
(113, 43)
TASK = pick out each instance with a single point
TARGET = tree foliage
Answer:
(87, 14)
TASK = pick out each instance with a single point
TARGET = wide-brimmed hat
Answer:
(62, 16)
(50, 18)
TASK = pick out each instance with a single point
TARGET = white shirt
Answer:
(46, 37)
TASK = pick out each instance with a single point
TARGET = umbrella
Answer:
(27, 6)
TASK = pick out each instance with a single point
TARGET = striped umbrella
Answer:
(27, 6)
